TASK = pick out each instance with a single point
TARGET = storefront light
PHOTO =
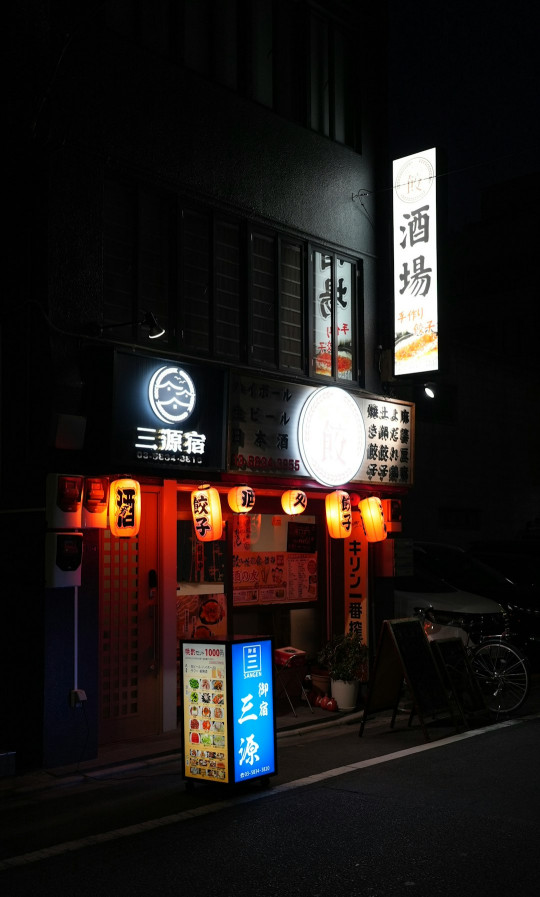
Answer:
(338, 514)
(241, 499)
(206, 511)
(124, 507)
(372, 513)
(294, 501)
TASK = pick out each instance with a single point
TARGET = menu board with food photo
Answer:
(200, 615)
(204, 692)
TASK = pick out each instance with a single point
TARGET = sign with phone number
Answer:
(260, 462)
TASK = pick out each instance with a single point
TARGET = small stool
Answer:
(289, 660)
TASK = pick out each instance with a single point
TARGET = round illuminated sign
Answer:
(171, 393)
(331, 436)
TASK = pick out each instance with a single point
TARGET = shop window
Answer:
(334, 317)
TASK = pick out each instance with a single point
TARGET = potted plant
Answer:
(345, 657)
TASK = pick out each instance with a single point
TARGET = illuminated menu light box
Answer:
(229, 731)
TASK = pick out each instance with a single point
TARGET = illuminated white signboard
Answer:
(416, 334)
(331, 436)
(327, 433)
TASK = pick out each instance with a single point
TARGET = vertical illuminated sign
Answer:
(416, 329)
(253, 710)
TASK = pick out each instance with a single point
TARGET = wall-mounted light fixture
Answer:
(147, 320)
(430, 389)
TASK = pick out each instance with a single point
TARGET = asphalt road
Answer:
(457, 815)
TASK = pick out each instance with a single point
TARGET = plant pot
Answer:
(345, 693)
(321, 683)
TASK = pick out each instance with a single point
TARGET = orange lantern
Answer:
(338, 514)
(206, 510)
(371, 510)
(241, 499)
(124, 507)
(294, 501)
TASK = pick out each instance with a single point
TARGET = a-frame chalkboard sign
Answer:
(404, 656)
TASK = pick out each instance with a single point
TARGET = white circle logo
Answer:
(331, 436)
(171, 394)
(414, 179)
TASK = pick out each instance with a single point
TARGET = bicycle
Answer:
(498, 666)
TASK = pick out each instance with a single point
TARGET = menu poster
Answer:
(254, 730)
(274, 577)
(204, 698)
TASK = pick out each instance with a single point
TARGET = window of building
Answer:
(226, 290)
(334, 316)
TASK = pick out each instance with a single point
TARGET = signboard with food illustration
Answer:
(253, 710)
(204, 695)
(416, 332)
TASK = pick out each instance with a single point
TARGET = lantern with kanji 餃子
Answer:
(206, 510)
(338, 514)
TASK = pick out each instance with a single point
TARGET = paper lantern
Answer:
(371, 510)
(124, 507)
(241, 499)
(206, 510)
(338, 514)
(294, 501)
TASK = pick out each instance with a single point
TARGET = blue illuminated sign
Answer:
(253, 710)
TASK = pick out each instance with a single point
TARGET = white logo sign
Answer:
(331, 436)
(171, 393)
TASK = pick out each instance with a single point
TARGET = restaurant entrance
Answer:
(130, 684)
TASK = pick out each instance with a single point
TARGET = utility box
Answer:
(63, 558)
(64, 501)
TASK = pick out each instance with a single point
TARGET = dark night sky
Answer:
(465, 76)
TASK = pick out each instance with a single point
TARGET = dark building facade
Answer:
(194, 165)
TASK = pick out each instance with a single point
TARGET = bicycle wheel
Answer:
(501, 672)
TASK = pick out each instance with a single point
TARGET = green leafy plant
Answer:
(344, 656)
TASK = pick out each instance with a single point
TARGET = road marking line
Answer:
(151, 824)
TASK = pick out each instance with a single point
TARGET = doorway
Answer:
(130, 683)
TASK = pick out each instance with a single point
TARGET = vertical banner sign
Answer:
(416, 331)
(204, 699)
(356, 581)
(253, 710)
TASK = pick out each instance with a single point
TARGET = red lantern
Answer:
(206, 510)
(371, 510)
(241, 499)
(338, 514)
(294, 501)
(124, 507)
